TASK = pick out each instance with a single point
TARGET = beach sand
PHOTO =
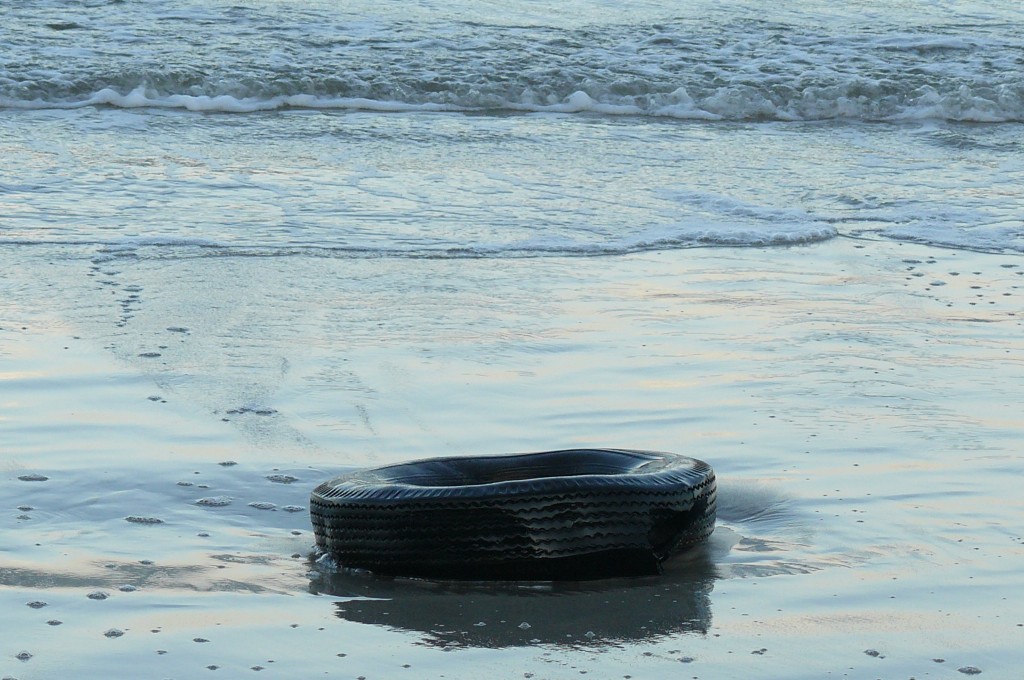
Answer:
(162, 423)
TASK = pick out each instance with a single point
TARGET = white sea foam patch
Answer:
(709, 218)
(857, 98)
(987, 226)
(1003, 236)
(144, 97)
(795, 235)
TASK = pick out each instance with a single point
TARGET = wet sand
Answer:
(861, 408)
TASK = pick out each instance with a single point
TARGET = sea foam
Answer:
(999, 103)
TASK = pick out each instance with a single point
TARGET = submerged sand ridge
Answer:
(860, 407)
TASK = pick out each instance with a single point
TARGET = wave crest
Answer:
(687, 69)
(856, 100)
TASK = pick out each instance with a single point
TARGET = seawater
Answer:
(247, 245)
(487, 130)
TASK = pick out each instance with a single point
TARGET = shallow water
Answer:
(302, 240)
(862, 422)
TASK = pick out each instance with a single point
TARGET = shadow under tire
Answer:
(574, 514)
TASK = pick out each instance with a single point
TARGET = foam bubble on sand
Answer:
(214, 501)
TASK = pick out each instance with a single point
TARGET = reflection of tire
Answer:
(571, 615)
(556, 515)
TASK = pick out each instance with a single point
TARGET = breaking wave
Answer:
(856, 100)
(752, 71)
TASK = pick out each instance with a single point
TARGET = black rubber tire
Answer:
(556, 515)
